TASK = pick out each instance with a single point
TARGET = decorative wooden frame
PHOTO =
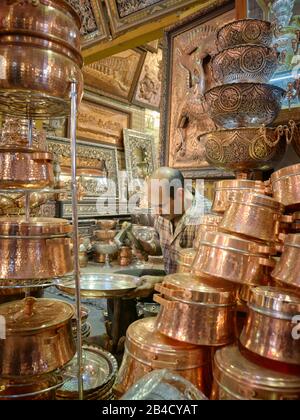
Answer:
(108, 92)
(214, 10)
(153, 9)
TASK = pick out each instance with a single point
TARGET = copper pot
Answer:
(44, 35)
(208, 223)
(185, 260)
(227, 191)
(39, 337)
(285, 186)
(125, 252)
(34, 250)
(253, 216)
(107, 224)
(268, 331)
(196, 310)
(25, 168)
(83, 259)
(147, 350)
(236, 378)
(105, 235)
(287, 269)
(234, 259)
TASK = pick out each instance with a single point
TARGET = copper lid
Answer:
(19, 226)
(211, 220)
(150, 347)
(239, 184)
(285, 172)
(280, 303)
(33, 315)
(236, 373)
(187, 256)
(233, 243)
(252, 199)
(199, 290)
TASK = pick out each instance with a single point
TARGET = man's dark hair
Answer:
(174, 177)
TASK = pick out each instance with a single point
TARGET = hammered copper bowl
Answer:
(245, 31)
(25, 168)
(244, 63)
(236, 378)
(245, 149)
(286, 187)
(244, 104)
(269, 327)
(105, 235)
(287, 270)
(227, 190)
(234, 259)
(107, 224)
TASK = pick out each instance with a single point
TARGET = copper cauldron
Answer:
(287, 270)
(208, 223)
(147, 350)
(236, 378)
(285, 186)
(185, 260)
(35, 249)
(196, 310)
(35, 36)
(25, 168)
(227, 191)
(253, 216)
(234, 259)
(269, 327)
(39, 337)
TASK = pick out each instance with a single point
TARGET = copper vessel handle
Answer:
(287, 219)
(29, 304)
(267, 262)
(163, 302)
(168, 291)
(262, 249)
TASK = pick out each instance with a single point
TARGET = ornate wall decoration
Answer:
(129, 14)
(102, 124)
(115, 76)
(94, 27)
(148, 93)
(187, 74)
(140, 157)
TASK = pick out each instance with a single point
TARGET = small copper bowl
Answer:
(286, 187)
(269, 328)
(107, 224)
(105, 235)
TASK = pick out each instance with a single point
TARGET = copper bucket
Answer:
(269, 327)
(233, 259)
(287, 270)
(147, 350)
(236, 378)
(197, 311)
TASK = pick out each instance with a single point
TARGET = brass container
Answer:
(287, 270)
(285, 186)
(253, 216)
(147, 350)
(234, 259)
(40, 35)
(100, 258)
(208, 223)
(124, 261)
(244, 63)
(258, 148)
(107, 224)
(196, 310)
(33, 389)
(245, 31)
(25, 168)
(268, 331)
(236, 378)
(244, 104)
(34, 250)
(125, 252)
(105, 235)
(185, 260)
(83, 259)
(39, 337)
(227, 191)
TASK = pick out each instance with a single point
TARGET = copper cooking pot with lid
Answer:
(234, 259)
(185, 260)
(146, 350)
(39, 337)
(285, 186)
(287, 269)
(269, 327)
(254, 216)
(236, 378)
(227, 190)
(197, 310)
(34, 250)
(208, 222)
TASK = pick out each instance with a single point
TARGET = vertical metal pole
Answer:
(27, 196)
(76, 231)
